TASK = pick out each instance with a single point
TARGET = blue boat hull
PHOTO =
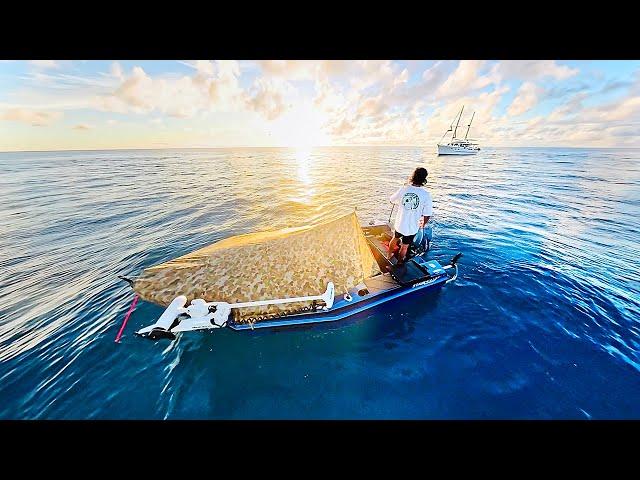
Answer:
(343, 308)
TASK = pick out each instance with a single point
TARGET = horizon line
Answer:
(292, 148)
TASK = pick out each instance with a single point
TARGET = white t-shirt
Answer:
(414, 202)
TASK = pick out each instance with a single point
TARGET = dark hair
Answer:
(419, 176)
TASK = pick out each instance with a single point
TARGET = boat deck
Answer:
(378, 237)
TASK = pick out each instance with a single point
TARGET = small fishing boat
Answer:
(347, 272)
(458, 146)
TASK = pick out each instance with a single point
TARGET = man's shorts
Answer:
(406, 239)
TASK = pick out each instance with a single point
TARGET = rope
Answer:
(126, 318)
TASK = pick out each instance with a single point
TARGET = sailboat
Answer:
(458, 146)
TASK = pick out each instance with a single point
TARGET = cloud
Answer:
(44, 63)
(289, 69)
(307, 69)
(32, 117)
(352, 101)
(571, 107)
(82, 126)
(526, 99)
(534, 70)
(371, 106)
(206, 67)
(465, 79)
(267, 98)
(137, 91)
(402, 78)
(620, 110)
(368, 73)
(431, 79)
(394, 109)
(224, 88)
(329, 97)
(615, 85)
(116, 71)
(343, 127)
(361, 74)
(212, 87)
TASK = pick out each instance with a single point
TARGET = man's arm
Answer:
(396, 196)
(427, 210)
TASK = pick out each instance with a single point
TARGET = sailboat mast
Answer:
(459, 117)
(469, 126)
(450, 130)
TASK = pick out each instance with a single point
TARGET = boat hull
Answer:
(343, 309)
(454, 150)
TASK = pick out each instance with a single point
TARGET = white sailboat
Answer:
(458, 146)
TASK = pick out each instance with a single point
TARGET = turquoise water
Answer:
(543, 322)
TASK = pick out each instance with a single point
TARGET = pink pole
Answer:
(126, 318)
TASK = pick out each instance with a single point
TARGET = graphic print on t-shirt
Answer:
(410, 200)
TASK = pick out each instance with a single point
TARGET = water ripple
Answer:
(543, 322)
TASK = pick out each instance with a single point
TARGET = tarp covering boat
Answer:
(292, 262)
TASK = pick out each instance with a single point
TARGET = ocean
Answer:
(543, 321)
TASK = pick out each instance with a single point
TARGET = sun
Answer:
(300, 128)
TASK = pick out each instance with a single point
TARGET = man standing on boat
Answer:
(415, 209)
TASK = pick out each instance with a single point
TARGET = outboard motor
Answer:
(421, 242)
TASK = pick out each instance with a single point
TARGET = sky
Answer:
(87, 104)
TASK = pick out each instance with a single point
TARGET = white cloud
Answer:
(571, 107)
(356, 102)
(465, 79)
(343, 127)
(329, 97)
(44, 63)
(402, 78)
(289, 69)
(534, 69)
(267, 97)
(307, 69)
(116, 71)
(368, 73)
(526, 99)
(621, 110)
(372, 106)
(210, 88)
(31, 117)
(206, 67)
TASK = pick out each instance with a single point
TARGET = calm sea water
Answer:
(543, 322)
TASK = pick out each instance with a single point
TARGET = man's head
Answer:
(419, 177)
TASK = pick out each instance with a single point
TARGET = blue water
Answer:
(543, 322)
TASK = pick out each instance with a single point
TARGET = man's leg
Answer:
(392, 247)
(404, 247)
(403, 252)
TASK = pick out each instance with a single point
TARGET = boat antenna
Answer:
(459, 117)
(469, 126)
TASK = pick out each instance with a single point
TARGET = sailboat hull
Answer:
(456, 150)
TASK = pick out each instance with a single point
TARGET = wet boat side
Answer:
(382, 289)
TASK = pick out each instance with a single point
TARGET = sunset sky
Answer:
(58, 105)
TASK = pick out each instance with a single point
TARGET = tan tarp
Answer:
(292, 262)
